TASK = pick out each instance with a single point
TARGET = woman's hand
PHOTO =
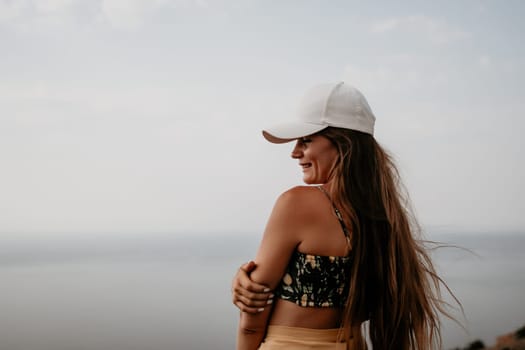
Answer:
(247, 295)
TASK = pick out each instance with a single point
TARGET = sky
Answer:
(141, 116)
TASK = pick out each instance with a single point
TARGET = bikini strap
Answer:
(339, 216)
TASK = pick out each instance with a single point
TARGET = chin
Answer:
(310, 182)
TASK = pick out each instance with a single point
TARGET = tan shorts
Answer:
(294, 338)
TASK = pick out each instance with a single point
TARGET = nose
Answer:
(297, 151)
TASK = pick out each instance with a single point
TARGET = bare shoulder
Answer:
(299, 201)
(292, 213)
(301, 193)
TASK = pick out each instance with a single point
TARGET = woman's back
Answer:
(322, 247)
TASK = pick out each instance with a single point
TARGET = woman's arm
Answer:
(281, 237)
(247, 295)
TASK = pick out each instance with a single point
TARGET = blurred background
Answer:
(134, 179)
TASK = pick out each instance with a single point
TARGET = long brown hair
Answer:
(393, 283)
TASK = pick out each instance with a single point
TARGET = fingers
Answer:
(248, 267)
(243, 279)
(252, 287)
(247, 295)
(246, 305)
(254, 303)
(252, 298)
(247, 309)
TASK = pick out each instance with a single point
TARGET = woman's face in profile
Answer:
(316, 155)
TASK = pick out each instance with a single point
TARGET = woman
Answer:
(340, 253)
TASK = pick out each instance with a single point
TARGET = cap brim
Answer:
(287, 132)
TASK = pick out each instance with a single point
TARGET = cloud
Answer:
(10, 10)
(127, 14)
(53, 6)
(33, 15)
(386, 25)
(437, 31)
(402, 74)
(131, 14)
(484, 61)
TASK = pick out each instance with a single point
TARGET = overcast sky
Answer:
(142, 116)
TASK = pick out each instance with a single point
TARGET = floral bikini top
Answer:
(317, 280)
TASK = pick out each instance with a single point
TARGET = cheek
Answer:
(330, 157)
(324, 165)
(328, 164)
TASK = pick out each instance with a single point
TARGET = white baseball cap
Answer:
(338, 105)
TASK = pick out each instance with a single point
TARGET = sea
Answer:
(163, 291)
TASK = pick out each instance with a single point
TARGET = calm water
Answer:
(163, 292)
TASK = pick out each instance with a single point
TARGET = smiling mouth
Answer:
(305, 165)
